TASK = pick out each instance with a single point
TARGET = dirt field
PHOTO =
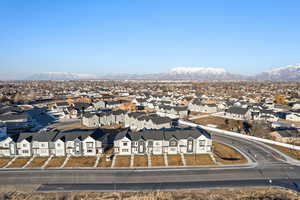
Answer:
(157, 160)
(37, 162)
(198, 159)
(56, 162)
(218, 121)
(290, 152)
(174, 160)
(122, 161)
(140, 161)
(19, 162)
(81, 162)
(4, 161)
(227, 155)
(103, 162)
(270, 193)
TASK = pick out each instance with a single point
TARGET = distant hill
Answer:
(61, 76)
(287, 73)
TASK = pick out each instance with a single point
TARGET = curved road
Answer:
(267, 167)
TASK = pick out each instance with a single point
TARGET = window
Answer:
(173, 143)
(124, 150)
(24, 145)
(25, 151)
(58, 145)
(89, 144)
(202, 144)
(125, 144)
(150, 143)
(42, 145)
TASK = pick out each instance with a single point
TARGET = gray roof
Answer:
(237, 110)
(164, 134)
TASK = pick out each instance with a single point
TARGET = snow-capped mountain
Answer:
(286, 73)
(61, 76)
(199, 73)
(200, 70)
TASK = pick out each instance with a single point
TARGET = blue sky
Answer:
(140, 36)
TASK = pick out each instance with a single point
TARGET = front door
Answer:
(141, 147)
(190, 146)
(12, 148)
(77, 148)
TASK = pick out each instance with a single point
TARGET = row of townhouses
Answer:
(169, 141)
(93, 119)
(134, 120)
(80, 142)
(140, 120)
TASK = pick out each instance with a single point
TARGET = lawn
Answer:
(157, 160)
(122, 161)
(290, 152)
(4, 161)
(103, 162)
(198, 159)
(56, 162)
(140, 161)
(19, 162)
(227, 155)
(81, 162)
(174, 160)
(37, 162)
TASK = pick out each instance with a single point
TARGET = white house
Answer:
(168, 141)
(293, 116)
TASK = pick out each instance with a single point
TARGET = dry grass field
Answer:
(19, 162)
(174, 160)
(4, 161)
(290, 152)
(81, 161)
(270, 193)
(56, 162)
(122, 161)
(227, 155)
(198, 159)
(140, 161)
(74, 125)
(157, 160)
(218, 121)
(194, 114)
(103, 162)
(37, 162)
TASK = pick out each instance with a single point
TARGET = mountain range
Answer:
(287, 73)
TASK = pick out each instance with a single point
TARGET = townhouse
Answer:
(138, 121)
(293, 116)
(237, 113)
(107, 118)
(167, 141)
(180, 111)
(198, 106)
(77, 142)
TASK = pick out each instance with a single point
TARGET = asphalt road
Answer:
(164, 186)
(265, 164)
